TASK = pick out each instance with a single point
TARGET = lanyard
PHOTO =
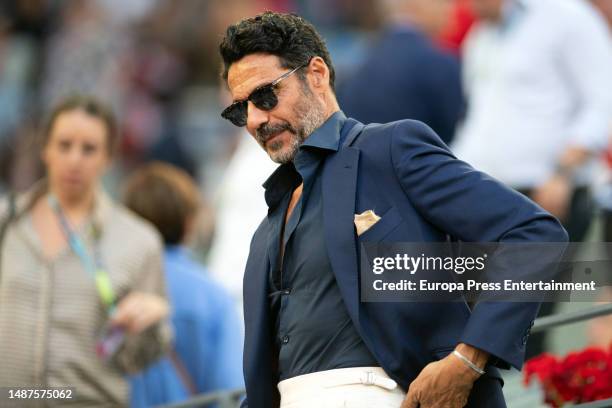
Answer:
(93, 265)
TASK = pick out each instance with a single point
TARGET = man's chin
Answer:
(281, 156)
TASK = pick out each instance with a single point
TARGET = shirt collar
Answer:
(103, 208)
(100, 215)
(279, 182)
(101, 211)
(326, 137)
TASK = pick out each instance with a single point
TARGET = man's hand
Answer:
(139, 311)
(446, 383)
(554, 196)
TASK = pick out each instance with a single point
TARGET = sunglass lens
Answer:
(264, 98)
(236, 113)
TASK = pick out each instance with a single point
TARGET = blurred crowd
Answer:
(154, 61)
(521, 89)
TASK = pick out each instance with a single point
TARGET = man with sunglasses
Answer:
(309, 341)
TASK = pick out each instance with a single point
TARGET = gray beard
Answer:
(310, 115)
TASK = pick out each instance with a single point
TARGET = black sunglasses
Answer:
(263, 98)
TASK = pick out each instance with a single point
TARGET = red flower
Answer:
(581, 376)
(542, 366)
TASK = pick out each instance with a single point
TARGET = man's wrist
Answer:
(478, 357)
(565, 171)
(570, 160)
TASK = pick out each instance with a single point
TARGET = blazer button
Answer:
(285, 339)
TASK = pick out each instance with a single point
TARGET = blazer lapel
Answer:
(339, 188)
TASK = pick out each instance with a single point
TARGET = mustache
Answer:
(268, 130)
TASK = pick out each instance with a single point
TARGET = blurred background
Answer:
(156, 63)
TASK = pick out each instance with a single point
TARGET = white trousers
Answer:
(361, 387)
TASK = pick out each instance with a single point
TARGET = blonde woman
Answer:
(82, 297)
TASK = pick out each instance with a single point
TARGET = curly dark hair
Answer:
(288, 36)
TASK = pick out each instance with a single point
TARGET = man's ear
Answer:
(319, 72)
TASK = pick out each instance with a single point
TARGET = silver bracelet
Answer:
(468, 362)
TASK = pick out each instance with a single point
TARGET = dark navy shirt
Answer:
(313, 330)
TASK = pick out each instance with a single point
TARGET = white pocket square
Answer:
(365, 220)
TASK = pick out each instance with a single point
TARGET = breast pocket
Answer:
(389, 221)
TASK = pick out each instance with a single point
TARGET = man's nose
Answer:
(255, 117)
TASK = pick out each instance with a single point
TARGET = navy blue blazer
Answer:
(405, 172)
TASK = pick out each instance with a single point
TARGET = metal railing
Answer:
(549, 322)
(230, 399)
(607, 403)
(222, 399)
